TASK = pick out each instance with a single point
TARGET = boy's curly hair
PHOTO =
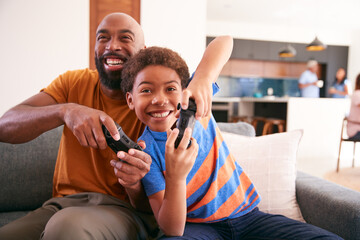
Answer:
(153, 56)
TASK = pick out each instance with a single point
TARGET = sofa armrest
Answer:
(329, 206)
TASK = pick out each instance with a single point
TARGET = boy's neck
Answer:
(172, 127)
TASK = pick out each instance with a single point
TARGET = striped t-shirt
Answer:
(217, 187)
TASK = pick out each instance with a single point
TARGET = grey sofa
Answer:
(26, 182)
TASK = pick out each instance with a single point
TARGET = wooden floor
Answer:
(347, 177)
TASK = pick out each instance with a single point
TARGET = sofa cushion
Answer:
(7, 217)
(270, 162)
(27, 172)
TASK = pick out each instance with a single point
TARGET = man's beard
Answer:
(111, 80)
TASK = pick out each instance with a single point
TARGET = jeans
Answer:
(255, 225)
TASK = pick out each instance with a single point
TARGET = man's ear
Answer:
(129, 100)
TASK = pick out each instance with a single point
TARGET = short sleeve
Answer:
(154, 180)
(59, 88)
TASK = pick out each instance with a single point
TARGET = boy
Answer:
(188, 185)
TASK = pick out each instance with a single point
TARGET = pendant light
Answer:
(288, 52)
(316, 45)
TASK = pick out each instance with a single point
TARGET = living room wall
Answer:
(40, 40)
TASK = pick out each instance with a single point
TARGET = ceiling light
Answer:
(288, 52)
(316, 45)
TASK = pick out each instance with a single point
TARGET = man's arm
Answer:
(215, 56)
(30, 118)
(41, 113)
(304, 85)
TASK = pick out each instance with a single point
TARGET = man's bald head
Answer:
(127, 22)
(118, 37)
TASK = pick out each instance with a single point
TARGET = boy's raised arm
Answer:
(215, 56)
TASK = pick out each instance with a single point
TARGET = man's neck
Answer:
(112, 93)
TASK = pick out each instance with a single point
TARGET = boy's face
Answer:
(155, 95)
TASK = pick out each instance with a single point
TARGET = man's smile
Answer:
(114, 62)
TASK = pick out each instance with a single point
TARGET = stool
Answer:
(270, 123)
(255, 122)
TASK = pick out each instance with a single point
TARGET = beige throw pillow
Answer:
(270, 162)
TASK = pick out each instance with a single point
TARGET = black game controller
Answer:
(186, 120)
(124, 144)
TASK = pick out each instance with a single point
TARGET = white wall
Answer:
(179, 25)
(321, 120)
(40, 39)
(354, 57)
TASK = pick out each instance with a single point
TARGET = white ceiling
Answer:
(335, 14)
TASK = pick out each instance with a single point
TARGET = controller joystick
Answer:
(186, 120)
(123, 144)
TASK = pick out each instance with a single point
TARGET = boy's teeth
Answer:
(114, 61)
(160, 115)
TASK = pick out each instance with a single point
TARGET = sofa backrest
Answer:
(241, 128)
(26, 171)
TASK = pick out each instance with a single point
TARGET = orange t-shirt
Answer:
(84, 169)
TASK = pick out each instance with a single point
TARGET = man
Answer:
(308, 82)
(90, 202)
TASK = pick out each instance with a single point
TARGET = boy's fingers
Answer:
(142, 144)
(138, 158)
(194, 146)
(173, 135)
(199, 109)
(185, 99)
(186, 138)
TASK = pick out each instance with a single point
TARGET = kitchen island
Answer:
(321, 121)
(250, 106)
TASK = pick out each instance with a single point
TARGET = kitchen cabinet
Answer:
(266, 69)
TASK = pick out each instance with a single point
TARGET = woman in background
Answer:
(339, 89)
(353, 123)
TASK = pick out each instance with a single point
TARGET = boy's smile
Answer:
(155, 95)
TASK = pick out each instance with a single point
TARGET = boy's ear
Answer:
(129, 100)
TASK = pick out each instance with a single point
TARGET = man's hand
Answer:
(134, 166)
(85, 123)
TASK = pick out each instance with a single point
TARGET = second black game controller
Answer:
(123, 144)
(186, 120)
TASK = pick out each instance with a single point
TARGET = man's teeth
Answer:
(114, 61)
(160, 115)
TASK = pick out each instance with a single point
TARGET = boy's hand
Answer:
(202, 93)
(135, 165)
(179, 161)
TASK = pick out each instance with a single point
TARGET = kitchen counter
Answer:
(249, 99)
(265, 99)
(243, 106)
